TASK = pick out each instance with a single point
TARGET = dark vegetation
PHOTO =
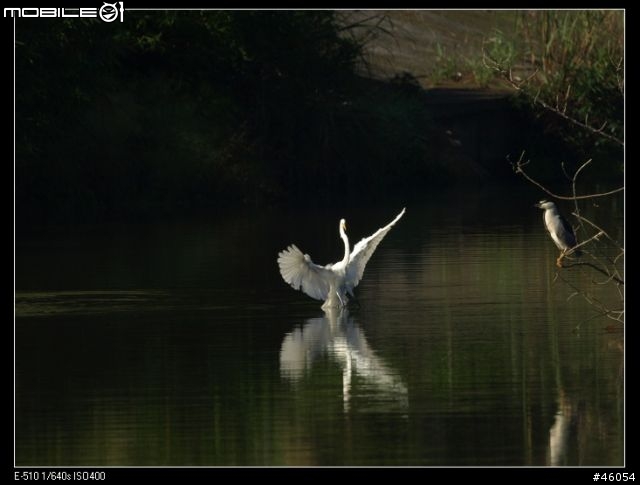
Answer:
(180, 112)
(568, 69)
(183, 111)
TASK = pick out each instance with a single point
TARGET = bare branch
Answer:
(573, 187)
(617, 315)
(595, 237)
(562, 113)
(518, 169)
(586, 126)
(593, 266)
(575, 176)
(592, 224)
(361, 23)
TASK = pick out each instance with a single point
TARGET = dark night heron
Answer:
(560, 230)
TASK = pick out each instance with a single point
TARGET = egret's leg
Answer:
(559, 260)
(340, 298)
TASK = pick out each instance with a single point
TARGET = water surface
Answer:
(178, 343)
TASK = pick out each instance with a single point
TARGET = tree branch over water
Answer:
(519, 165)
(557, 109)
(593, 247)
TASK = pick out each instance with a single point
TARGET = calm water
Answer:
(179, 344)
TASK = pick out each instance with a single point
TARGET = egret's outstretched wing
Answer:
(301, 273)
(363, 251)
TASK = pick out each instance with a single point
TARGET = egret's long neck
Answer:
(345, 239)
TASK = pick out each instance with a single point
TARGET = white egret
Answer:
(331, 282)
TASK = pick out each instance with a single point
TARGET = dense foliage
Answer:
(575, 77)
(176, 111)
(180, 111)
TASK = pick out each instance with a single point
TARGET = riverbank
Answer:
(148, 126)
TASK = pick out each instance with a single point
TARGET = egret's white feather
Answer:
(301, 273)
(331, 282)
(362, 253)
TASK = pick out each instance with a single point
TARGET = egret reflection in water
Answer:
(337, 336)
